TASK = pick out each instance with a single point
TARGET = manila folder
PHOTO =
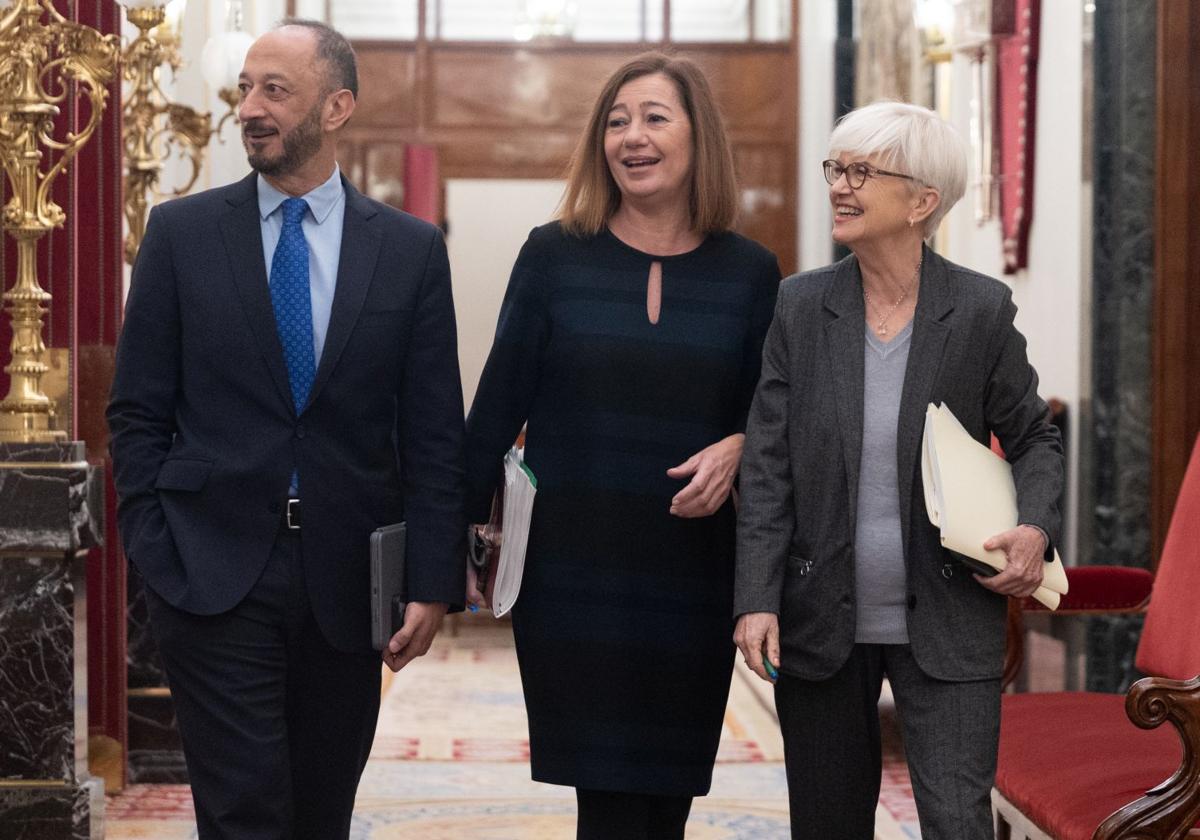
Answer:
(970, 497)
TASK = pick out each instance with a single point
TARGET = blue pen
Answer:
(771, 672)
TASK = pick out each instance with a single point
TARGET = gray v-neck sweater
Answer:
(880, 582)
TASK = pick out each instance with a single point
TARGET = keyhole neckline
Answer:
(662, 258)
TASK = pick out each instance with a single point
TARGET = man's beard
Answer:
(299, 145)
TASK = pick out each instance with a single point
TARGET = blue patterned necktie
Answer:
(291, 299)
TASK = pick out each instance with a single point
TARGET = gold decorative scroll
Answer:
(42, 64)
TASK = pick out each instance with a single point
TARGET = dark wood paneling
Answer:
(1177, 258)
(507, 87)
(510, 154)
(388, 85)
(497, 110)
(462, 153)
(765, 177)
(756, 89)
(513, 88)
(383, 172)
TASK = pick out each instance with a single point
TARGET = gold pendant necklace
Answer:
(881, 327)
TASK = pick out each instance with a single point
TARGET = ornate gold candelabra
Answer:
(39, 63)
(153, 124)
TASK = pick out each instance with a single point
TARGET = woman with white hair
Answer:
(841, 579)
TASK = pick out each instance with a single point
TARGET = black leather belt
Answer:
(292, 514)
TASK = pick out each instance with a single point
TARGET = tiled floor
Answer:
(450, 761)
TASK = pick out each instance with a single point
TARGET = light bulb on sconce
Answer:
(222, 59)
(166, 17)
(934, 21)
(546, 19)
(172, 26)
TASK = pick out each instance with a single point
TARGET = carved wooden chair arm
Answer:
(1170, 810)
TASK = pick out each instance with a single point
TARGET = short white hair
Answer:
(910, 139)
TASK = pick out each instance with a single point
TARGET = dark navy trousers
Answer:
(276, 724)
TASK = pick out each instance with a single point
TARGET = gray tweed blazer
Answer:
(799, 472)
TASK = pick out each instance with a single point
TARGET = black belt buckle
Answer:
(293, 514)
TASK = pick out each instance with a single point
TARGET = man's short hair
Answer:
(341, 69)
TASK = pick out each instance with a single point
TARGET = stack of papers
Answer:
(970, 497)
(520, 486)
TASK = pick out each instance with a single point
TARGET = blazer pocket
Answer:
(799, 590)
(799, 565)
(186, 474)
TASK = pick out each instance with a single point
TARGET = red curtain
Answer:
(1016, 23)
(422, 184)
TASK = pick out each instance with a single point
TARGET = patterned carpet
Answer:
(453, 725)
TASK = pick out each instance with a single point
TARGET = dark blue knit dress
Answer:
(624, 622)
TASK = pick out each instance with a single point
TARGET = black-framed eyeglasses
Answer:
(856, 173)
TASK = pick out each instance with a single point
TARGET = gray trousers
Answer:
(832, 747)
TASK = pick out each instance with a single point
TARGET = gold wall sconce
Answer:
(947, 27)
(155, 126)
(46, 61)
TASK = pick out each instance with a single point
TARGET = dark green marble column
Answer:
(1122, 294)
(50, 514)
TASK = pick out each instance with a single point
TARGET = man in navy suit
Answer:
(286, 382)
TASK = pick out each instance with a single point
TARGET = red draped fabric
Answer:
(96, 305)
(1016, 105)
(422, 184)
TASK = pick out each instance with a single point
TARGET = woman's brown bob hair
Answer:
(592, 196)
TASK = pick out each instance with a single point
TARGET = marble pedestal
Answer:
(50, 515)
(155, 747)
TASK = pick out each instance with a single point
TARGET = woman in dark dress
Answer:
(629, 345)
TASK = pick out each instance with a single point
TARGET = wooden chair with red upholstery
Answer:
(1081, 765)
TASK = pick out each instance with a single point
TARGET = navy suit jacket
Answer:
(204, 435)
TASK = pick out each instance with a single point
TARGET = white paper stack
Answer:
(520, 486)
(970, 497)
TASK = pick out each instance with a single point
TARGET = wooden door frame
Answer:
(1176, 331)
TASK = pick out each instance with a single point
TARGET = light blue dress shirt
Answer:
(322, 226)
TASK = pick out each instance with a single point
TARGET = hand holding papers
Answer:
(970, 496)
(502, 576)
